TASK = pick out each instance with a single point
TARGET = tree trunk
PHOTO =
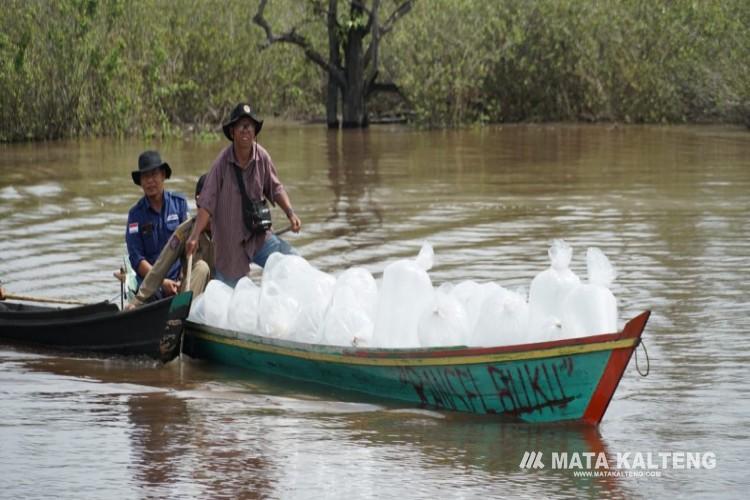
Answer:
(332, 104)
(354, 109)
(348, 81)
(334, 58)
(355, 112)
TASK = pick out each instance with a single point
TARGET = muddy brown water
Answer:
(670, 206)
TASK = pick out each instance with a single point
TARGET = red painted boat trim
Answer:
(444, 352)
(616, 365)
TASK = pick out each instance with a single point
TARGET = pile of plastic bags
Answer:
(296, 301)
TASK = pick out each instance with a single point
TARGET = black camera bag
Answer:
(255, 213)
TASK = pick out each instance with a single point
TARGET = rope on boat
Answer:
(648, 361)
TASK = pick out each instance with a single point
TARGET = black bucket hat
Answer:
(240, 111)
(147, 161)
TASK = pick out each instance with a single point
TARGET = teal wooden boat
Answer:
(569, 380)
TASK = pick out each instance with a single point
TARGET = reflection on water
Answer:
(353, 175)
(232, 437)
(669, 206)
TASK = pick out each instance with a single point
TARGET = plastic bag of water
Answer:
(548, 291)
(243, 307)
(591, 308)
(405, 293)
(445, 323)
(349, 320)
(503, 320)
(216, 303)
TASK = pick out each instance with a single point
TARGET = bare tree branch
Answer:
(379, 30)
(317, 6)
(370, 13)
(295, 38)
(351, 79)
(371, 58)
(385, 87)
(397, 14)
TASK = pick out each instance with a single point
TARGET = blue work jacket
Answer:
(148, 230)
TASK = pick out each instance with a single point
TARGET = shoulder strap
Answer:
(240, 182)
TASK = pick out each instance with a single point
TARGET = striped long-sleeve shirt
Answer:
(234, 245)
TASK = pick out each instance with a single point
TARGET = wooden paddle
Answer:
(122, 288)
(187, 272)
(12, 296)
(285, 230)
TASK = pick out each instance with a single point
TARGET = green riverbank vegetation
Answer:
(162, 67)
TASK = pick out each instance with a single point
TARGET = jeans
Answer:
(273, 244)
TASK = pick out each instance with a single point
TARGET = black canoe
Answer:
(153, 330)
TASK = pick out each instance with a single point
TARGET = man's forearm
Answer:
(143, 268)
(154, 278)
(285, 203)
(201, 221)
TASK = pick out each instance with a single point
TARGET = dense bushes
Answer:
(625, 60)
(112, 67)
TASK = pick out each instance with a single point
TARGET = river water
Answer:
(670, 206)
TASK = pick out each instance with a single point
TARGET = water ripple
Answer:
(673, 222)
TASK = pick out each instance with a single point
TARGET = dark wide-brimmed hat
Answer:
(240, 111)
(150, 160)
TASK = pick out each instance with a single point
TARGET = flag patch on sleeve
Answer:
(172, 217)
(133, 228)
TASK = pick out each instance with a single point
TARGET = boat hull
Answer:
(569, 380)
(153, 330)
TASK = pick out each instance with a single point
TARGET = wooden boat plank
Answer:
(14, 311)
(153, 330)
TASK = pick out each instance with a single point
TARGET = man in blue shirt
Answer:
(153, 219)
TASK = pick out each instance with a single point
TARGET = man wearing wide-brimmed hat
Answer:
(225, 201)
(153, 219)
(174, 251)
